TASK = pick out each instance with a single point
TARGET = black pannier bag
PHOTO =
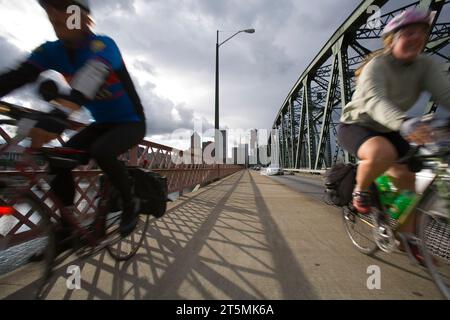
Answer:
(340, 181)
(149, 187)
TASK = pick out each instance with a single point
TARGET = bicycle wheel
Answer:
(434, 232)
(359, 228)
(124, 248)
(20, 278)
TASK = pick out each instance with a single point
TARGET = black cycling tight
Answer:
(104, 143)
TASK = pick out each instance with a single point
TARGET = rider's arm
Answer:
(377, 104)
(91, 77)
(437, 82)
(14, 79)
(87, 82)
(28, 71)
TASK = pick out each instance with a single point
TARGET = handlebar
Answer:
(48, 90)
(16, 116)
(416, 161)
(9, 122)
(17, 112)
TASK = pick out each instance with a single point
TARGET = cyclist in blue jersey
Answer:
(93, 66)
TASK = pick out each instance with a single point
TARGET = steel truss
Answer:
(308, 118)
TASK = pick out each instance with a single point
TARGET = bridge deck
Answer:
(245, 237)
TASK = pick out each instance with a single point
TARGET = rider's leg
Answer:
(63, 185)
(113, 142)
(404, 179)
(376, 155)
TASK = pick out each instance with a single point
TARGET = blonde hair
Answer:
(387, 47)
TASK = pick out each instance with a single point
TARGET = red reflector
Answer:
(6, 211)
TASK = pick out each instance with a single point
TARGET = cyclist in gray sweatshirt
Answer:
(374, 125)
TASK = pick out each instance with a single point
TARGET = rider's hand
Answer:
(49, 127)
(416, 131)
(421, 135)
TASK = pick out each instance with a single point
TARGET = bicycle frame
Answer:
(83, 239)
(34, 178)
(440, 173)
(383, 226)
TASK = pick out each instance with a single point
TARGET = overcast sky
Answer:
(169, 48)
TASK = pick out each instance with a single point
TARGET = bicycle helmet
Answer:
(408, 17)
(84, 4)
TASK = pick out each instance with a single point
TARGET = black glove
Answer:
(48, 90)
(54, 122)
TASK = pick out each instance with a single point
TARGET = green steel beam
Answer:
(301, 129)
(309, 124)
(313, 115)
(291, 140)
(356, 19)
(328, 110)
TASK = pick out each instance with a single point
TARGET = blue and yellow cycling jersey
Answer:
(117, 100)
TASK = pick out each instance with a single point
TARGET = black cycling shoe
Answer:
(128, 220)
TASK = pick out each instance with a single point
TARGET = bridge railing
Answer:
(20, 226)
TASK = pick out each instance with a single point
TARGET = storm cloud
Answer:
(169, 49)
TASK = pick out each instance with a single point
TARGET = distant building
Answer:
(196, 149)
(240, 155)
(221, 156)
(254, 150)
(244, 154)
(235, 155)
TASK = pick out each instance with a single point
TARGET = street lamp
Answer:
(217, 79)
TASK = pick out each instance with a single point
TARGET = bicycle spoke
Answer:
(125, 248)
(359, 229)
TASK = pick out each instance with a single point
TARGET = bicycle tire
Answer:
(362, 240)
(125, 248)
(434, 234)
(30, 277)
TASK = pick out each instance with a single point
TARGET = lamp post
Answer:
(216, 122)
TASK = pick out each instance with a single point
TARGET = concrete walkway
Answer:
(246, 237)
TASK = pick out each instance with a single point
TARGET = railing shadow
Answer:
(220, 243)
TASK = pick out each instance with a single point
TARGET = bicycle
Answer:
(25, 195)
(378, 231)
